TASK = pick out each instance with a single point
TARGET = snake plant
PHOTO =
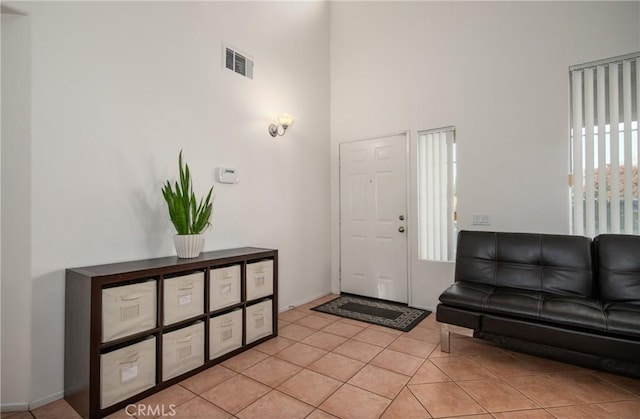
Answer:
(187, 215)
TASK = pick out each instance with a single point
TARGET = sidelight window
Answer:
(437, 194)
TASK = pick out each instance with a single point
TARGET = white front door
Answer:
(373, 214)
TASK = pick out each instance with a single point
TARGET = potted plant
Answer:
(189, 217)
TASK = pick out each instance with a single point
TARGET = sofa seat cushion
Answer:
(623, 318)
(517, 302)
(490, 299)
(574, 311)
(467, 295)
(580, 312)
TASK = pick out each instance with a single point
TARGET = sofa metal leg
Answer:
(445, 335)
(445, 339)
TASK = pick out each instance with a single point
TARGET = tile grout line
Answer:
(323, 400)
(200, 395)
(419, 401)
(272, 389)
(599, 379)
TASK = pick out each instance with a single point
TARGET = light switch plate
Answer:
(481, 219)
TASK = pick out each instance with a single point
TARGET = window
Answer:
(605, 102)
(437, 194)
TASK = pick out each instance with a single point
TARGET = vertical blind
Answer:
(436, 194)
(605, 104)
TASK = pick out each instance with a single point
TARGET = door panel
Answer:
(373, 196)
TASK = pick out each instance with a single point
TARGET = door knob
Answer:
(401, 229)
(401, 218)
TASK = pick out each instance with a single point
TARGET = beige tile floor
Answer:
(321, 366)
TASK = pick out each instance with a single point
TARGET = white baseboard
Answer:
(21, 407)
(46, 400)
(14, 407)
(421, 307)
(305, 301)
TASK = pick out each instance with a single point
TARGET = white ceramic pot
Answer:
(189, 245)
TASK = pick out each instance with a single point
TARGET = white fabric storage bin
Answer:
(182, 350)
(128, 309)
(259, 279)
(128, 371)
(225, 333)
(183, 297)
(259, 322)
(224, 287)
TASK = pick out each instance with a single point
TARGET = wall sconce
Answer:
(284, 122)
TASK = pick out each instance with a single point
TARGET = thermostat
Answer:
(227, 175)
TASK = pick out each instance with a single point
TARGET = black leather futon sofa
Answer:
(571, 293)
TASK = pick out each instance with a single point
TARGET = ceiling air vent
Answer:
(238, 62)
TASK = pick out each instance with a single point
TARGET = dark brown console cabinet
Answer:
(135, 328)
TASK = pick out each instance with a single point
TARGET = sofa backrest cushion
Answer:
(556, 264)
(618, 262)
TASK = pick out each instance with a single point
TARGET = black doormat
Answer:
(384, 313)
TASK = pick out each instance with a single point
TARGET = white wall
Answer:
(16, 212)
(117, 89)
(499, 73)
